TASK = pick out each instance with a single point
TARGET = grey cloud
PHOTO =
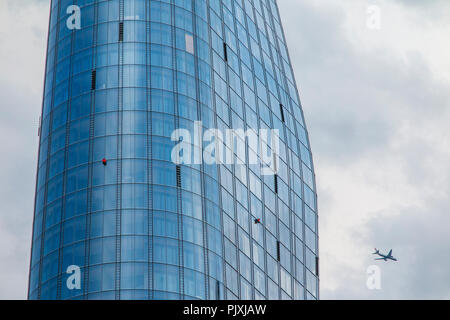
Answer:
(356, 103)
(18, 131)
(363, 95)
(20, 105)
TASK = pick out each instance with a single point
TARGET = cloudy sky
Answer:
(377, 106)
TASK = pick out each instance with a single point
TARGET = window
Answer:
(194, 284)
(193, 257)
(189, 43)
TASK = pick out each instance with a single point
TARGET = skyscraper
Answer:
(117, 216)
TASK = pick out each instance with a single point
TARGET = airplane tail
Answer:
(376, 251)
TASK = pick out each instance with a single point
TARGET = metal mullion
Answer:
(177, 125)
(119, 161)
(149, 154)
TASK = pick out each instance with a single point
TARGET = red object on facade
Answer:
(257, 221)
(104, 161)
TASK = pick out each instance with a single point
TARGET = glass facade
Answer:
(110, 200)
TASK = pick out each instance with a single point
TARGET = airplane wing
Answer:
(390, 253)
(380, 259)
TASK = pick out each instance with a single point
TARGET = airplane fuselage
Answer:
(385, 257)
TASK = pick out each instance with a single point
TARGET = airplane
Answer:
(384, 257)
